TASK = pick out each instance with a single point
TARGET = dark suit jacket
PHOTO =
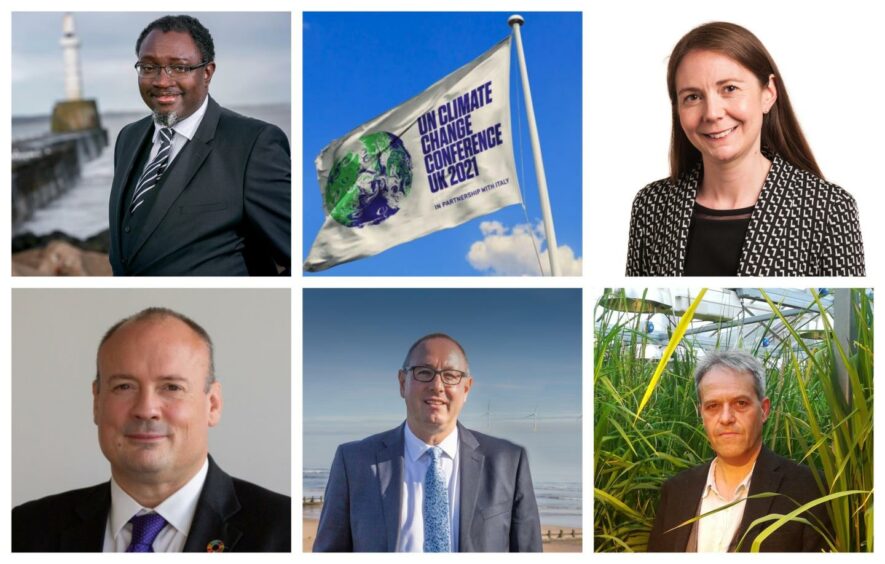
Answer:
(801, 225)
(222, 207)
(681, 498)
(246, 517)
(361, 508)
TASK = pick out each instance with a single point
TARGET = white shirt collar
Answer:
(415, 447)
(187, 127)
(741, 489)
(178, 509)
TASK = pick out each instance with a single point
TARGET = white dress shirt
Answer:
(416, 461)
(178, 509)
(715, 532)
(184, 132)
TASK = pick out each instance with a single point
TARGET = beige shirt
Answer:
(715, 532)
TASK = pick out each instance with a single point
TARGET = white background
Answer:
(830, 55)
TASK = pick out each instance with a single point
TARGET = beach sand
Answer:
(566, 544)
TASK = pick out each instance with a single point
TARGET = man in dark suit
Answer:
(430, 485)
(733, 406)
(154, 399)
(197, 189)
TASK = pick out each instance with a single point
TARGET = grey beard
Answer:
(165, 120)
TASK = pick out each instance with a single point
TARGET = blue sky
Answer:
(358, 65)
(524, 348)
(252, 51)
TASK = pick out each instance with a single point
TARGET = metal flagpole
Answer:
(515, 21)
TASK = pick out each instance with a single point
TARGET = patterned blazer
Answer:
(802, 225)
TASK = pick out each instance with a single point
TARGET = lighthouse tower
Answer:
(74, 113)
(70, 44)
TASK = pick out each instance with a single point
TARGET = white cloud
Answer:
(510, 251)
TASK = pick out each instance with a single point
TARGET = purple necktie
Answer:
(145, 529)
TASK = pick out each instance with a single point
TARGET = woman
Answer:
(745, 195)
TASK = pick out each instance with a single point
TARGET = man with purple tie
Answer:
(155, 396)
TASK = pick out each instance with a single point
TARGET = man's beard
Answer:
(166, 120)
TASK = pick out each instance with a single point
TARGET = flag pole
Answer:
(515, 21)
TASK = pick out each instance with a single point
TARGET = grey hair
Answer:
(736, 360)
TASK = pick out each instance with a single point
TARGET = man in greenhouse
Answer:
(733, 406)
(431, 484)
(155, 396)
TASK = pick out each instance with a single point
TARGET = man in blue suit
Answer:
(430, 485)
(198, 190)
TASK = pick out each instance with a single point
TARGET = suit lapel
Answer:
(762, 232)
(88, 534)
(470, 476)
(136, 143)
(767, 477)
(180, 173)
(688, 187)
(687, 506)
(390, 479)
(217, 504)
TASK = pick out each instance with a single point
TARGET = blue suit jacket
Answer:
(222, 207)
(361, 508)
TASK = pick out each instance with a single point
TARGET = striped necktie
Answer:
(437, 534)
(145, 529)
(152, 174)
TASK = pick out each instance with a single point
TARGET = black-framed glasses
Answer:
(145, 70)
(449, 376)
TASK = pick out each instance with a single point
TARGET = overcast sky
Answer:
(252, 51)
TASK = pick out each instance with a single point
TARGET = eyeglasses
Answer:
(448, 376)
(149, 69)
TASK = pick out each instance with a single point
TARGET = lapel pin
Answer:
(215, 546)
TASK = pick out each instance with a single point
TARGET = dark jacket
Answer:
(681, 499)
(245, 517)
(801, 226)
(222, 208)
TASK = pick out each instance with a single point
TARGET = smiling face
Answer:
(432, 408)
(733, 415)
(721, 106)
(173, 99)
(151, 404)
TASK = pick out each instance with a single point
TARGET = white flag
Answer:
(440, 159)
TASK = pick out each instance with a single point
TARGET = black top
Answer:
(715, 241)
(802, 225)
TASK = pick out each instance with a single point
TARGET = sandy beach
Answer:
(564, 544)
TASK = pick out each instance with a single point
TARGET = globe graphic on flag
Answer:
(368, 186)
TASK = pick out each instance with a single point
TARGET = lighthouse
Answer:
(70, 45)
(74, 113)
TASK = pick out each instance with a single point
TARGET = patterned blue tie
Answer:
(145, 529)
(437, 536)
(152, 174)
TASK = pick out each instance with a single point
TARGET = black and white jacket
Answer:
(802, 225)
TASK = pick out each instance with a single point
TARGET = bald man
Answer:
(155, 397)
(431, 484)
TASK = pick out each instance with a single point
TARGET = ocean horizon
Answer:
(559, 503)
(82, 211)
